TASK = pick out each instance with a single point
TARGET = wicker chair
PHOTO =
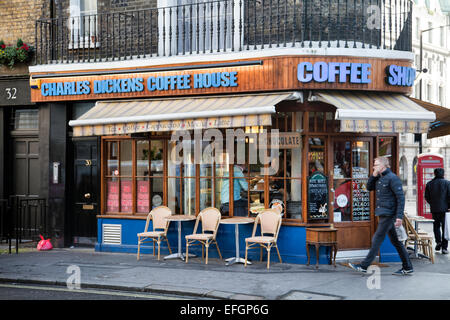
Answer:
(423, 240)
(160, 226)
(270, 220)
(210, 219)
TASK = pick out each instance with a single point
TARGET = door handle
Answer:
(87, 195)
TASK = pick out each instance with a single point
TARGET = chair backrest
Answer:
(210, 218)
(159, 215)
(270, 221)
(409, 227)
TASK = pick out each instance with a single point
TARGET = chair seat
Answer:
(199, 236)
(151, 234)
(260, 239)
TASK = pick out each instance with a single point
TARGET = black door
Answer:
(85, 198)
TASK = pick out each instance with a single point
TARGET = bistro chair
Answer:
(422, 240)
(160, 226)
(270, 221)
(210, 219)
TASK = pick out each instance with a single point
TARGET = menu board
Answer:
(126, 196)
(112, 198)
(143, 196)
(318, 196)
(361, 200)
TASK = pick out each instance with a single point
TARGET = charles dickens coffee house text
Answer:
(295, 132)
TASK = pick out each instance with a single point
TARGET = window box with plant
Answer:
(11, 55)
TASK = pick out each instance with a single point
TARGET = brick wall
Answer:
(17, 19)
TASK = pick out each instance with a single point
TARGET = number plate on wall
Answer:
(15, 92)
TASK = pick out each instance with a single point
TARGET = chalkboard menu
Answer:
(361, 200)
(317, 196)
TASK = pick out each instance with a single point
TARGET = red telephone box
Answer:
(426, 163)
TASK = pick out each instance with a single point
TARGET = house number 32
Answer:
(11, 93)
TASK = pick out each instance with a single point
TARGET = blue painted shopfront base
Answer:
(291, 242)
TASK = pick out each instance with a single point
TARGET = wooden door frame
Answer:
(351, 224)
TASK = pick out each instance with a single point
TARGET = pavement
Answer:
(283, 281)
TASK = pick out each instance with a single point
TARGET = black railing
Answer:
(225, 26)
(23, 219)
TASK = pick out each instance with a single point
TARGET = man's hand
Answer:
(398, 223)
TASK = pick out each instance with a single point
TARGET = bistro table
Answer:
(179, 218)
(447, 226)
(416, 220)
(237, 221)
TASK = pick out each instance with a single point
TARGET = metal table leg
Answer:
(236, 259)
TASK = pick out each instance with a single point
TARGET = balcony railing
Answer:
(225, 26)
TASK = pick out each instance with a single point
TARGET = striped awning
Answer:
(377, 112)
(170, 114)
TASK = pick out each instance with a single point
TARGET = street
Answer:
(16, 291)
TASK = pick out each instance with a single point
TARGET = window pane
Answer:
(316, 155)
(342, 205)
(126, 195)
(142, 157)
(342, 158)
(113, 159)
(360, 160)
(143, 195)
(125, 158)
(385, 147)
(156, 194)
(26, 119)
(361, 200)
(174, 194)
(112, 195)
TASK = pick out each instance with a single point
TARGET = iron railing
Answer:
(23, 218)
(224, 26)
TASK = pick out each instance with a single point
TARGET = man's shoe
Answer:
(403, 272)
(444, 251)
(438, 247)
(357, 267)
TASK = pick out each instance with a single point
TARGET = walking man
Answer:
(437, 194)
(390, 204)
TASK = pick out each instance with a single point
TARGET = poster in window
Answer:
(126, 195)
(361, 200)
(112, 199)
(318, 196)
(143, 198)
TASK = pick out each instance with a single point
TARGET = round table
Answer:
(179, 218)
(237, 221)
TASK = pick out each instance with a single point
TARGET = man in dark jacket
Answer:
(390, 204)
(437, 194)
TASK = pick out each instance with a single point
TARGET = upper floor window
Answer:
(83, 23)
(197, 26)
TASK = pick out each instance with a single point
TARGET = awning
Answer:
(377, 112)
(133, 116)
(440, 127)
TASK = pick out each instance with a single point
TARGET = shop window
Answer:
(25, 119)
(322, 122)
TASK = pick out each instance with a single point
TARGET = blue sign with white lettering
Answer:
(334, 72)
(159, 83)
(400, 76)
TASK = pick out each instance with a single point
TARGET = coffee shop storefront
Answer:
(173, 135)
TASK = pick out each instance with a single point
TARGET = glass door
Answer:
(351, 170)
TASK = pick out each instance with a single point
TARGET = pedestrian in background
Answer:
(390, 205)
(437, 194)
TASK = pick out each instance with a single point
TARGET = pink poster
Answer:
(126, 196)
(112, 200)
(143, 203)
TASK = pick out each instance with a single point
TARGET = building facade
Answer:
(122, 85)
(430, 86)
